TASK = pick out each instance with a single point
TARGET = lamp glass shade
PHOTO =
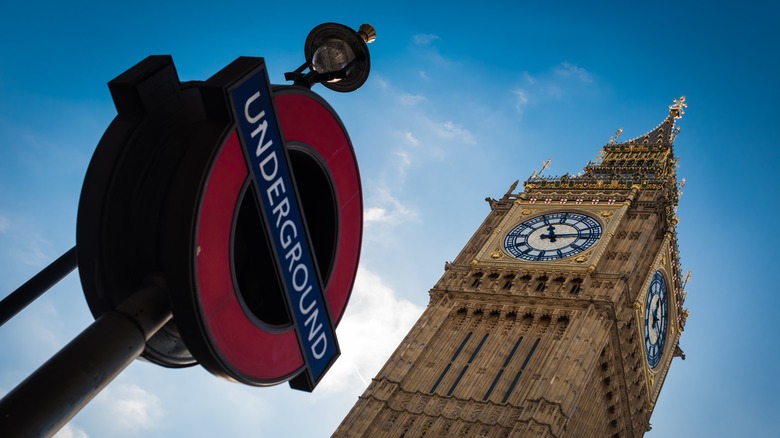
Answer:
(332, 55)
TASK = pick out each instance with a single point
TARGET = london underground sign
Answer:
(219, 223)
(243, 199)
(264, 150)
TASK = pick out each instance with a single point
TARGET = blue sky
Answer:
(461, 102)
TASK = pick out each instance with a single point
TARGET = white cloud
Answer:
(566, 69)
(375, 214)
(411, 99)
(425, 39)
(450, 130)
(411, 139)
(559, 82)
(382, 82)
(128, 407)
(423, 75)
(70, 431)
(375, 323)
(388, 210)
(522, 99)
(4, 224)
(406, 161)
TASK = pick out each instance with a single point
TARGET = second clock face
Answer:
(656, 312)
(552, 236)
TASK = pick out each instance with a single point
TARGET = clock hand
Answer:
(584, 236)
(550, 236)
(656, 319)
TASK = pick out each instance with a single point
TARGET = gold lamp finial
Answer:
(367, 32)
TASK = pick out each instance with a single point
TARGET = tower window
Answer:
(501, 371)
(520, 372)
(509, 281)
(576, 286)
(466, 367)
(449, 365)
(477, 279)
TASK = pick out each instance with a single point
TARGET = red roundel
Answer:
(246, 330)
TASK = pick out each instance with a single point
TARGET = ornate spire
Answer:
(662, 135)
(646, 161)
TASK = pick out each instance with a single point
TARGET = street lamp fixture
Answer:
(336, 56)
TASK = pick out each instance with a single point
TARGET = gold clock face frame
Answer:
(552, 236)
(656, 319)
(493, 253)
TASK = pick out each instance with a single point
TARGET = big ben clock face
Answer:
(552, 236)
(656, 315)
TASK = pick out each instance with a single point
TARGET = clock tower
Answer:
(559, 318)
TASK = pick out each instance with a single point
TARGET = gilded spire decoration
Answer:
(677, 109)
(545, 165)
(686, 279)
(675, 132)
(680, 186)
(618, 133)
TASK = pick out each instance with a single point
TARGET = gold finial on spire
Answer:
(677, 109)
(545, 165)
(618, 133)
(680, 186)
(687, 278)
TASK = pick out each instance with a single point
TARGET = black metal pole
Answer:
(47, 399)
(36, 286)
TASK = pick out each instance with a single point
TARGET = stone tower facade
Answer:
(559, 318)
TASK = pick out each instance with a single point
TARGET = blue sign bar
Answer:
(264, 150)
